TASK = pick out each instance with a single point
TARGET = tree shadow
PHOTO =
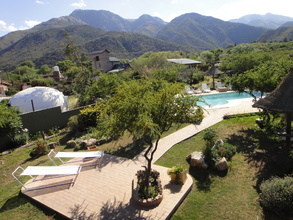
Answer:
(264, 152)
(110, 211)
(202, 177)
(130, 150)
(13, 203)
(21, 200)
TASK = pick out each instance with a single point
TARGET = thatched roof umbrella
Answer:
(280, 100)
(214, 71)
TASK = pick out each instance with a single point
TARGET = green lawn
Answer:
(214, 195)
(231, 195)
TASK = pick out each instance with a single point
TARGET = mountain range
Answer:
(93, 30)
(270, 21)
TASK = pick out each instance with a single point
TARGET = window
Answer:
(97, 58)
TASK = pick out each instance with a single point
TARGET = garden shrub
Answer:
(277, 196)
(227, 151)
(40, 149)
(20, 139)
(73, 123)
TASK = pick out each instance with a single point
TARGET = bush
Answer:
(20, 139)
(227, 151)
(40, 149)
(277, 196)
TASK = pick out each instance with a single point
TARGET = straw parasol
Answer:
(280, 100)
(214, 71)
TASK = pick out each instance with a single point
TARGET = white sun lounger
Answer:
(51, 171)
(84, 155)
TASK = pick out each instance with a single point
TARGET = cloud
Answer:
(6, 27)
(31, 23)
(80, 4)
(40, 2)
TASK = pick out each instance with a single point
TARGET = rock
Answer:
(52, 145)
(88, 142)
(196, 159)
(71, 144)
(222, 164)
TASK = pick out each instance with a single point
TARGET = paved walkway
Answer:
(105, 192)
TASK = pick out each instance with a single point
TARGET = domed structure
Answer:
(39, 98)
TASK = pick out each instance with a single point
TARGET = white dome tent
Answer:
(39, 98)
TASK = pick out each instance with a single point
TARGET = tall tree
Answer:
(146, 109)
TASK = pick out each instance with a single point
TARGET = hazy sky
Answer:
(24, 14)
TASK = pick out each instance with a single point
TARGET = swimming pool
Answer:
(223, 98)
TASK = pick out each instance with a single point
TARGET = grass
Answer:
(214, 195)
(231, 195)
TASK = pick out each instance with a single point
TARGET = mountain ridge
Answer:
(189, 32)
(269, 20)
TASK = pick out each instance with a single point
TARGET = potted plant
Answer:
(178, 174)
(154, 195)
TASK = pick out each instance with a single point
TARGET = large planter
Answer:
(178, 178)
(147, 202)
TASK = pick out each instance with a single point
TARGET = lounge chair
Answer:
(84, 155)
(205, 88)
(221, 88)
(188, 90)
(51, 171)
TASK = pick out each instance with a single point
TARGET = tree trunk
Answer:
(151, 150)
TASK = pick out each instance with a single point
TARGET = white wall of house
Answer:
(101, 61)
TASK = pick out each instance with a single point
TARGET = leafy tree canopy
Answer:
(10, 122)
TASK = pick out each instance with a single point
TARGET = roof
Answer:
(214, 71)
(184, 61)
(114, 59)
(99, 52)
(281, 99)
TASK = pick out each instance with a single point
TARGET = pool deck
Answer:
(105, 192)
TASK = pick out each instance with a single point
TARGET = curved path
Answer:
(105, 192)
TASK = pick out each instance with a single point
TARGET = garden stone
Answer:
(222, 164)
(52, 145)
(196, 159)
(71, 144)
(88, 142)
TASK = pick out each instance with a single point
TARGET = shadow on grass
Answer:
(203, 177)
(21, 200)
(13, 203)
(264, 152)
(131, 150)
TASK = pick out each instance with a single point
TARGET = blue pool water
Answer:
(222, 98)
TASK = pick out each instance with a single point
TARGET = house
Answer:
(101, 60)
(3, 89)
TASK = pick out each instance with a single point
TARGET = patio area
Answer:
(104, 192)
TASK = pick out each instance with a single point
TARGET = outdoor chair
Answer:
(86, 156)
(205, 88)
(48, 172)
(221, 88)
